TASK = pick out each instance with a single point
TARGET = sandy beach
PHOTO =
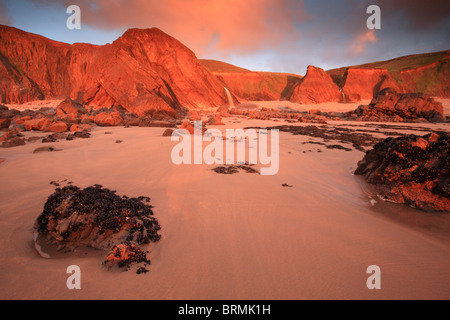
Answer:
(240, 236)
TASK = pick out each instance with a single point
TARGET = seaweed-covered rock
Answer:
(124, 255)
(411, 169)
(96, 217)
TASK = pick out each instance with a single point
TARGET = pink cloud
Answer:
(238, 26)
(361, 40)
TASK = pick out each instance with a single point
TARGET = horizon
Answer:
(284, 36)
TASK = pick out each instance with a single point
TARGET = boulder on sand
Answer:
(105, 119)
(70, 108)
(96, 217)
(411, 169)
(58, 127)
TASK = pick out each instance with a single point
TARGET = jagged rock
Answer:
(316, 87)
(412, 169)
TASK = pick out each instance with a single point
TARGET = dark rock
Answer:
(13, 142)
(49, 139)
(232, 169)
(44, 149)
(82, 135)
(96, 217)
(5, 123)
(167, 132)
(411, 169)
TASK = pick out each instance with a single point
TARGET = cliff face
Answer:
(433, 79)
(252, 85)
(425, 73)
(142, 70)
(366, 83)
(258, 86)
(316, 87)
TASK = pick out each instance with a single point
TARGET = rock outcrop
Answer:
(389, 105)
(412, 169)
(145, 69)
(316, 87)
(98, 218)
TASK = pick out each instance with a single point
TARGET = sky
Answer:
(262, 35)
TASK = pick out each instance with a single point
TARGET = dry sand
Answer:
(240, 236)
(35, 105)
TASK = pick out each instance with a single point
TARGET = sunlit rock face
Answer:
(145, 69)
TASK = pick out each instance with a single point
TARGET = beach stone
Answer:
(105, 119)
(36, 124)
(70, 108)
(167, 132)
(58, 127)
(43, 149)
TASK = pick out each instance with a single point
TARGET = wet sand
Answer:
(239, 236)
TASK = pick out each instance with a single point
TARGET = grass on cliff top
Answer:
(395, 66)
(219, 66)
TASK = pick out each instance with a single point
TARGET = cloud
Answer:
(238, 26)
(362, 40)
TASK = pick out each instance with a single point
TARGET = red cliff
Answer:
(145, 69)
(364, 84)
